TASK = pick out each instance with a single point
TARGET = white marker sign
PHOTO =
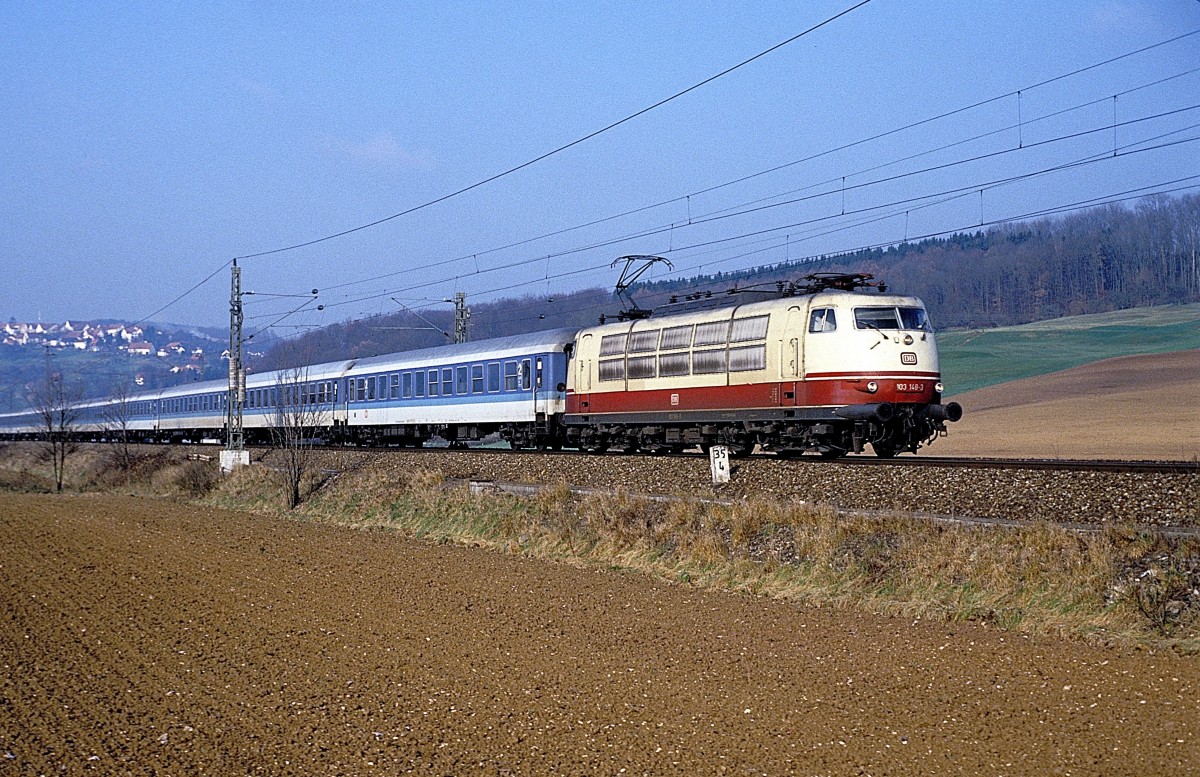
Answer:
(718, 456)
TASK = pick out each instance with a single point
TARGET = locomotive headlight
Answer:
(938, 387)
(872, 387)
(908, 340)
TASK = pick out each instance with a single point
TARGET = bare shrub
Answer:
(191, 478)
(1166, 593)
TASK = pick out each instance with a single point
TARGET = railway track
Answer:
(944, 462)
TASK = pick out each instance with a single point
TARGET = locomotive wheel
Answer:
(884, 450)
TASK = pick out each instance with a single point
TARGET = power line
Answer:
(828, 152)
(1091, 159)
(566, 146)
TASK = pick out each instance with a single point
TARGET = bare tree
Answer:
(301, 410)
(117, 415)
(58, 412)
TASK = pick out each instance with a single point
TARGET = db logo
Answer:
(674, 400)
(908, 357)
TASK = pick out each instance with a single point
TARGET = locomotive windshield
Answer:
(891, 318)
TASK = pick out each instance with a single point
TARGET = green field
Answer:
(973, 359)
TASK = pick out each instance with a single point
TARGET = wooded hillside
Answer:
(1106, 258)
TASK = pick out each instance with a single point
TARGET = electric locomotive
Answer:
(824, 367)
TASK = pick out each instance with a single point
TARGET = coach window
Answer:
(510, 376)
(611, 345)
(640, 367)
(394, 393)
(822, 320)
(748, 329)
(708, 362)
(712, 333)
(612, 369)
(407, 383)
(476, 378)
(419, 376)
(644, 342)
(433, 383)
(360, 389)
(676, 337)
(526, 378)
(673, 365)
(447, 381)
(748, 358)
(493, 375)
(460, 381)
(370, 389)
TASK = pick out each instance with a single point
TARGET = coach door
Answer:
(581, 371)
(530, 374)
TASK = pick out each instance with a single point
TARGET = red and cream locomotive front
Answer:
(873, 358)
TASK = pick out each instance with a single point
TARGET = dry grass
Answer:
(1122, 584)
(1118, 585)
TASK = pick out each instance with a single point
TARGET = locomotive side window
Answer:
(612, 369)
(915, 318)
(707, 362)
(673, 365)
(747, 329)
(749, 358)
(712, 333)
(641, 367)
(611, 345)
(822, 320)
(642, 342)
(676, 337)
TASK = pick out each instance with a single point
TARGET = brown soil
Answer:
(143, 637)
(1131, 407)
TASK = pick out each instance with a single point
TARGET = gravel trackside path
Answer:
(145, 637)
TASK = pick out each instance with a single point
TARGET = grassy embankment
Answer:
(977, 358)
(1121, 585)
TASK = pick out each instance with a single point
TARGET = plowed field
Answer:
(1130, 407)
(144, 637)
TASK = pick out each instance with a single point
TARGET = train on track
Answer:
(830, 366)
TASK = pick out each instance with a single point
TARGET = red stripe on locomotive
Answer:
(910, 388)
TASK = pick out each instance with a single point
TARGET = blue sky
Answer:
(144, 145)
